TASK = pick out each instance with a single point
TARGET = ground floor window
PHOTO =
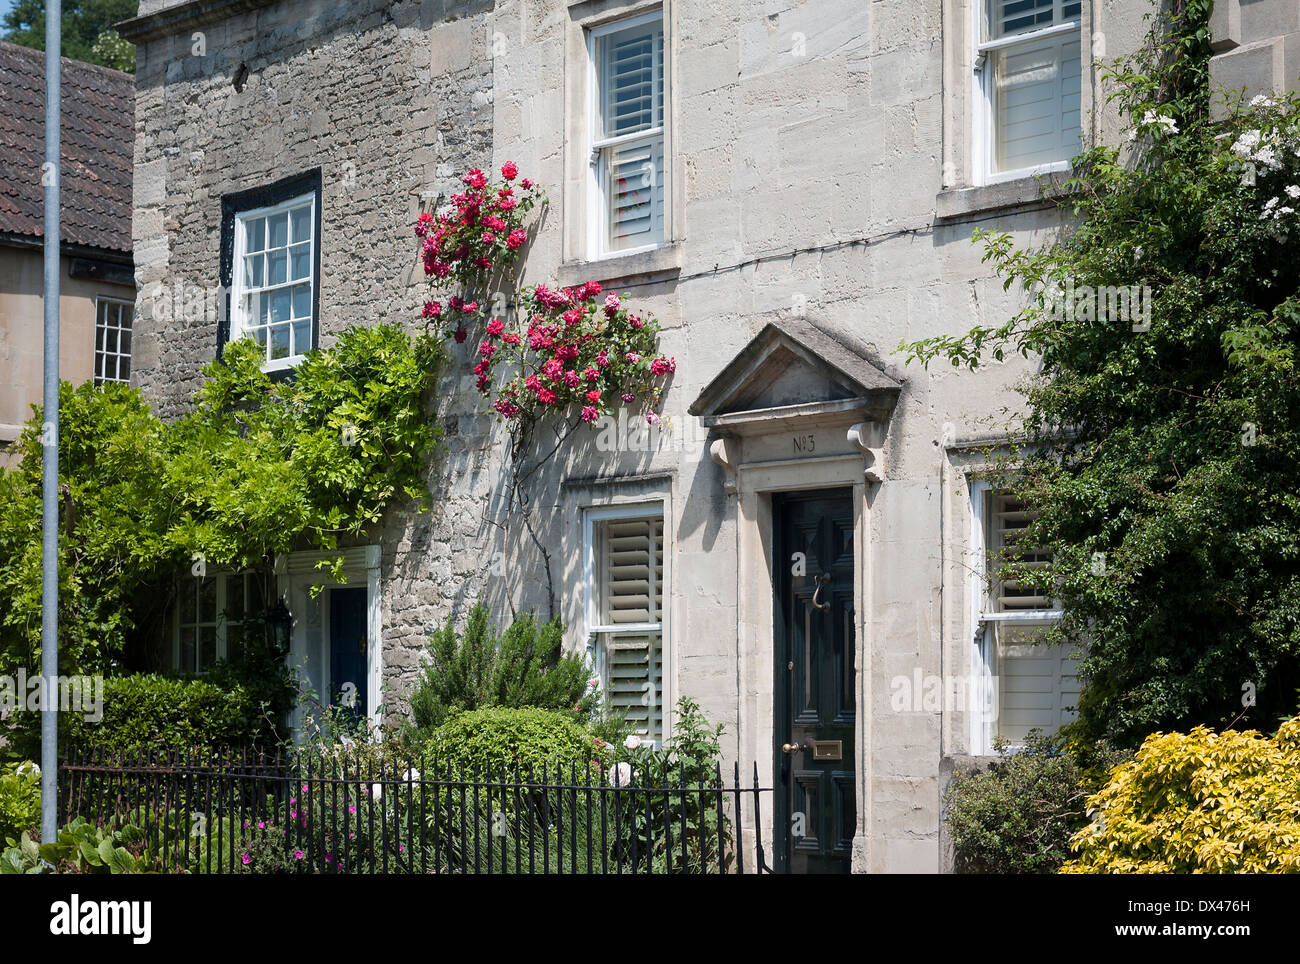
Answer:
(623, 554)
(213, 615)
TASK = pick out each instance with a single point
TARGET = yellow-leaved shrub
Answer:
(1199, 802)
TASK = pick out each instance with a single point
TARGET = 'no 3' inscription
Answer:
(805, 443)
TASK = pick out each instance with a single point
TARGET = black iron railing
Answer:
(349, 813)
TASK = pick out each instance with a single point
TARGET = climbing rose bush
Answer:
(482, 232)
(572, 348)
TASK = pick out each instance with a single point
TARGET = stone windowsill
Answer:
(659, 263)
(1022, 194)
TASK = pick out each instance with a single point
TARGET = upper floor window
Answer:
(113, 340)
(1029, 58)
(1027, 685)
(627, 143)
(271, 263)
(623, 555)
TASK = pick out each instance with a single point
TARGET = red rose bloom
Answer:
(512, 339)
(589, 414)
(546, 396)
(593, 396)
(495, 327)
(516, 238)
(461, 335)
(509, 170)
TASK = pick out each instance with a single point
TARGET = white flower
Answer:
(411, 776)
(1293, 191)
(632, 742)
(1245, 144)
(621, 774)
(1259, 100)
(1152, 119)
(28, 766)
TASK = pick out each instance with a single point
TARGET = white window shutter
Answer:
(1010, 519)
(1037, 103)
(1039, 685)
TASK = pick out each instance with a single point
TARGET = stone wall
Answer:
(1256, 46)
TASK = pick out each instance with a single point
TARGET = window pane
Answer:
(110, 340)
(255, 274)
(207, 600)
(255, 234)
(277, 265)
(124, 341)
(1018, 16)
(301, 254)
(278, 228)
(631, 79)
(302, 301)
(280, 305)
(301, 337)
(280, 341)
(207, 646)
(301, 218)
(124, 368)
(126, 314)
(188, 592)
(634, 179)
(235, 597)
(1036, 89)
(260, 336)
(634, 680)
(187, 650)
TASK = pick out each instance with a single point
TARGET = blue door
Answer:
(348, 651)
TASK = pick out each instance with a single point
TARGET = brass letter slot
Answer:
(828, 749)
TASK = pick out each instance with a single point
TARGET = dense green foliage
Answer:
(1018, 816)
(1161, 451)
(524, 666)
(87, 32)
(1199, 802)
(259, 467)
(20, 798)
(496, 739)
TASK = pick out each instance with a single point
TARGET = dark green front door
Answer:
(815, 685)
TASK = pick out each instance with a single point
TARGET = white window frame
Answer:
(593, 628)
(123, 306)
(221, 623)
(984, 116)
(983, 621)
(597, 190)
(238, 323)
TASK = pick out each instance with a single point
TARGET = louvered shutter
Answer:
(632, 101)
(1039, 685)
(1010, 519)
(631, 569)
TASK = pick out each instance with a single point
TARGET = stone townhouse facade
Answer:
(801, 547)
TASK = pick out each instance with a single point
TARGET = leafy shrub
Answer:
(1199, 802)
(1017, 817)
(20, 798)
(152, 713)
(524, 666)
(81, 848)
(494, 737)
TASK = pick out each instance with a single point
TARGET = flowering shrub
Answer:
(484, 233)
(570, 348)
(575, 349)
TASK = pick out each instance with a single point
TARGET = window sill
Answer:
(1021, 194)
(658, 264)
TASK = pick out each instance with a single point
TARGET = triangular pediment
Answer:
(793, 367)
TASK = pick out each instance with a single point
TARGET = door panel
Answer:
(348, 651)
(815, 712)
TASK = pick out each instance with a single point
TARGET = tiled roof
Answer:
(97, 144)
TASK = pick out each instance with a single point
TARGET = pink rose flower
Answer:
(509, 170)
(589, 414)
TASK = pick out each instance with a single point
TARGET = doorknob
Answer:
(791, 747)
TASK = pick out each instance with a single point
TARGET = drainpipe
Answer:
(50, 436)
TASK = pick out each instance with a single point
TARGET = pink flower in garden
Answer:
(512, 339)
(488, 237)
(593, 683)
(261, 825)
(546, 396)
(632, 357)
(602, 359)
(652, 418)
(572, 379)
(572, 316)
(591, 374)
(526, 184)
(509, 170)
(352, 808)
(628, 397)
(495, 328)
(475, 178)
(593, 396)
(506, 204)
(533, 384)
(590, 414)
(461, 335)
(516, 238)
(507, 409)
(494, 222)
(635, 321)
(487, 349)
(552, 369)
(482, 383)
(566, 352)
(432, 309)
(469, 307)
(483, 263)
(611, 304)
(593, 289)
(297, 855)
(455, 302)
(480, 369)
(247, 859)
